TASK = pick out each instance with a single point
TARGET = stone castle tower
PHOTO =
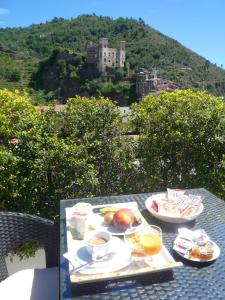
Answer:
(146, 82)
(104, 56)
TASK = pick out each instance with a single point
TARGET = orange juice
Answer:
(151, 243)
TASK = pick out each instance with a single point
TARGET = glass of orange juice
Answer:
(151, 240)
(144, 243)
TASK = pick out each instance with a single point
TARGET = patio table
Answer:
(191, 281)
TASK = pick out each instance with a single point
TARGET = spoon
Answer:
(95, 260)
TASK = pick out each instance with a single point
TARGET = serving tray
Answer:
(160, 262)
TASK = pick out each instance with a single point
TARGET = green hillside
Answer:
(21, 49)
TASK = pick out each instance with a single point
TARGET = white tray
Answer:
(160, 262)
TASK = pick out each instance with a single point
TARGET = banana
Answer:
(107, 209)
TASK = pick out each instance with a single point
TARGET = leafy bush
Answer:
(95, 125)
(47, 156)
(82, 151)
(181, 141)
(14, 75)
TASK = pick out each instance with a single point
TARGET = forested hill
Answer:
(21, 49)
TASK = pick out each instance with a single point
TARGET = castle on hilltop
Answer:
(146, 81)
(103, 56)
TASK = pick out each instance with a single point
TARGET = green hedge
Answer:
(83, 151)
(48, 156)
(182, 141)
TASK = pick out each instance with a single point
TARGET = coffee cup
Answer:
(97, 243)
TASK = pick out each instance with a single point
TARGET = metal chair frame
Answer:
(18, 227)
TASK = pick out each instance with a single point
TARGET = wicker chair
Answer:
(16, 228)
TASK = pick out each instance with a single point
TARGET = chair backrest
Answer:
(18, 227)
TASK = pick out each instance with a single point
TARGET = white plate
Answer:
(216, 254)
(165, 218)
(118, 261)
(97, 220)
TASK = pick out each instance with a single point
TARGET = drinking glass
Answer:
(151, 240)
(144, 243)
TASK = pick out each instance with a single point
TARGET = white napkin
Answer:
(73, 263)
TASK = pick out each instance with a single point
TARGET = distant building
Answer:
(103, 56)
(148, 82)
(124, 111)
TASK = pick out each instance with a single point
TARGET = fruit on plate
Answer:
(123, 218)
(107, 209)
(108, 218)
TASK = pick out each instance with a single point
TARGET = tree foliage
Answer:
(82, 151)
(48, 156)
(182, 142)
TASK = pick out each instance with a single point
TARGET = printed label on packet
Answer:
(174, 195)
(200, 237)
(183, 245)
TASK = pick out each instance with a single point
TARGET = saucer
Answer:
(120, 259)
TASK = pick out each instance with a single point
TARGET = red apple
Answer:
(123, 218)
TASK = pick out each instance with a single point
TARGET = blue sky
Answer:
(197, 24)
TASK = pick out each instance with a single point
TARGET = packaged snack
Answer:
(168, 209)
(173, 195)
(183, 245)
(200, 237)
(189, 211)
(194, 245)
(202, 252)
(177, 204)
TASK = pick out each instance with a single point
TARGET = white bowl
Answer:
(166, 218)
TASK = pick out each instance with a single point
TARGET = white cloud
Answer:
(4, 11)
